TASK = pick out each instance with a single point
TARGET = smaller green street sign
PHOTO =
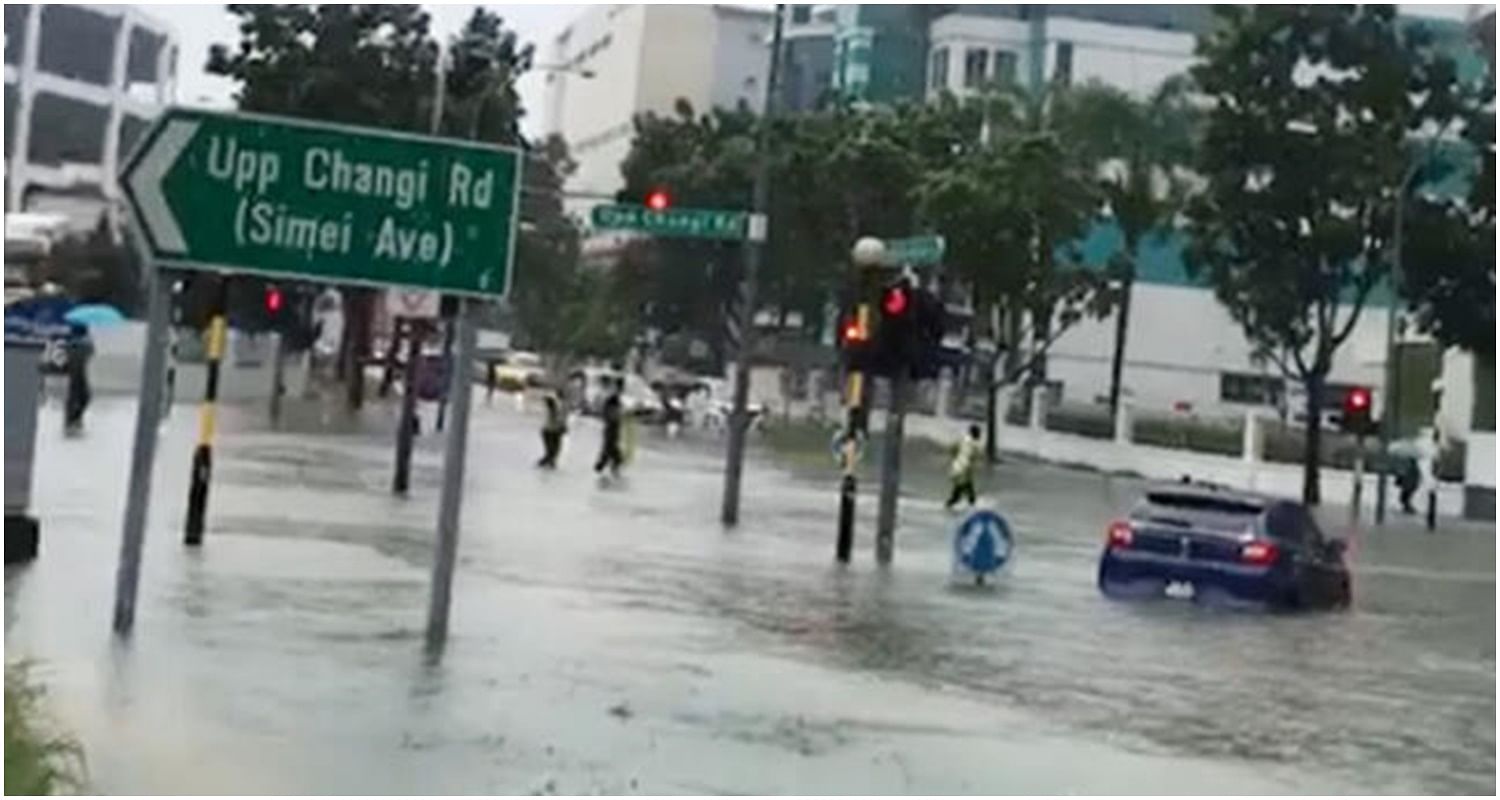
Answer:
(695, 223)
(915, 251)
(292, 198)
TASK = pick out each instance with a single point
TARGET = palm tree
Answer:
(1140, 150)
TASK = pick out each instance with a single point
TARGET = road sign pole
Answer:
(203, 455)
(453, 483)
(890, 471)
(143, 454)
(739, 421)
(406, 428)
(278, 377)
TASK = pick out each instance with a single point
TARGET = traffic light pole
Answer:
(406, 425)
(739, 421)
(203, 456)
(890, 470)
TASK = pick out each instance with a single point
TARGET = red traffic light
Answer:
(1358, 399)
(658, 200)
(273, 299)
(896, 301)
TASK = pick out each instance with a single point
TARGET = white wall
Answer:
(741, 57)
(1133, 59)
(1180, 340)
(593, 114)
(654, 55)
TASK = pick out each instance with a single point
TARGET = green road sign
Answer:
(695, 223)
(297, 199)
(914, 250)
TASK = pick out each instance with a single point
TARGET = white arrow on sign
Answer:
(145, 184)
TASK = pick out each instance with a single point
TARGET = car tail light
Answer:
(1120, 534)
(1258, 552)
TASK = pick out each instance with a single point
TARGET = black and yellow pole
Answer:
(854, 392)
(203, 458)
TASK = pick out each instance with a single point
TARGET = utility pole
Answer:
(739, 418)
(1390, 417)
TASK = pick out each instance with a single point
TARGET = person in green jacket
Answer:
(554, 427)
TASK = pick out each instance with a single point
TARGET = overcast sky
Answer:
(200, 26)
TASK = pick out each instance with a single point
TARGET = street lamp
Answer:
(1391, 414)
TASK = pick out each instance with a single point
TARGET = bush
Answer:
(1095, 424)
(1221, 438)
(37, 760)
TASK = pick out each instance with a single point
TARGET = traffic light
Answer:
(658, 200)
(854, 342)
(1357, 416)
(895, 336)
(274, 300)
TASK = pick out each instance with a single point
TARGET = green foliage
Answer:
(1304, 151)
(38, 761)
(1448, 258)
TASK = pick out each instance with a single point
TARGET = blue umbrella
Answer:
(94, 315)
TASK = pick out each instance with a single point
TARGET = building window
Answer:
(1005, 67)
(938, 71)
(1251, 389)
(77, 43)
(15, 32)
(801, 15)
(976, 64)
(1063, 74)
(74, 131)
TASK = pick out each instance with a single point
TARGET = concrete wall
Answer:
(1164, 366)
(1159, 463)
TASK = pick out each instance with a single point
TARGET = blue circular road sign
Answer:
(982, 543)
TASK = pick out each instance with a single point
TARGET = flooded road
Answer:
(615, 639)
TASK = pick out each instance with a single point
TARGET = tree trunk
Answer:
(1122, 327)
(1313, 441)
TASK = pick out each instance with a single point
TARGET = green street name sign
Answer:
(297, 199)
(915, 250)
(694, 223)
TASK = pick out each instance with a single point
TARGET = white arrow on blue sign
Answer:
(982, 543)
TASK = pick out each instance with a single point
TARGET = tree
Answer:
(1140, 150)
(1448, 258)
(1310, 110)
(1011, 203)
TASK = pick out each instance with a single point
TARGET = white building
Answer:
(969, 50)
(82, 83)
(624, 60)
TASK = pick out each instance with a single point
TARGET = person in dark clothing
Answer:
(553, 429)
(609, 453)
(1408, 479)
(80, 348)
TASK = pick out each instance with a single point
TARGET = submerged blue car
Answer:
(1210, 544)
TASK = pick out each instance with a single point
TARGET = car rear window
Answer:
(1205, 502)
(1201, 511)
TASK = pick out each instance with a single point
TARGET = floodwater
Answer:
(613, 638)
